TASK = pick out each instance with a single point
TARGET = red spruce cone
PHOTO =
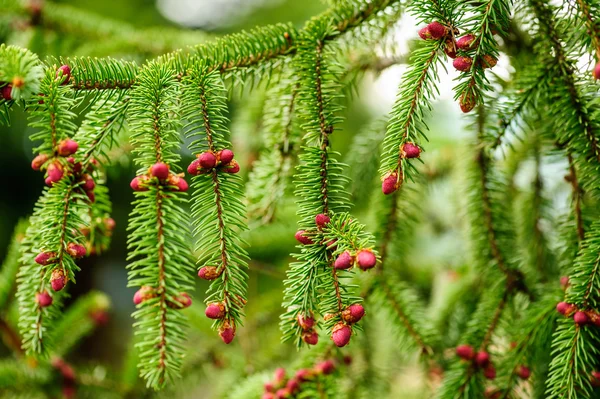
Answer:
(321, 220)
(341, 334)
(366, 259)
(227, 332)
(437, 30)
(160, 170)
(58, 280)
(143, 294)
(462, 63)
(482, 359)
(344, 261)
(76, 250)
(65, 72)
(310, 337)
(207, 160)
(225, 156)
(306, 323)
(523, 372)
(411, 150)
(325, 367)
(208, 273)
(45, 258)
(67, 147)
(466, 43)
(390, 183)
(43, 299)
(353, 313)
(302, 239)
(465, 352)
(39, 161)
(215, 311)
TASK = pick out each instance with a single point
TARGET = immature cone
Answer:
(178, 182)
(268, 395)
(366, 259)
(138, 183)
(462, 63)
(488, 61)
(45, 258)
(91, 196)
(215, 311)
(55, 172)
(341, 334)
(208, 273)
(580, 318)
(390, 183)
(88, 184)
(523, 372)
(467, 42)
(411, 150)
(437, 30)
(565, 308)
(232, 167)
(489, 372)
(321, 220)
(143, 294)
(564, 282)
(310, 337)
(110, 224)
(303, 375)
(293, 385)
(225, 156)
(7, 92)
(227, 332)
(325, 367)
(482, 359)
(194, 167)
(43, 299)
(594, 318)
(207, 160)
(343, 261)
(596, 72)
(76, 250)
(269, 386)
(160, 170)
(353, 313)
(279, 375)
(595, 378)
(67, 147)
(450, 48)
(306, 322)
(183, 300)
(65, 72)
(39, 161)
(283, 393)
(58, 280)
(424, 33)
(465, 352)
(302, 239)
(467, 101)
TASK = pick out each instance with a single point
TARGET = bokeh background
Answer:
(436, 250)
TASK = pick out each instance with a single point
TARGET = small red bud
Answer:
(39, 161)
(565, 308)
(67, 147)
(139, 183)
(580, 318)
(55, 172)
(279, 375)
(268, 395)
(325, 367)
(100, 317)
(225, 156)
(269, 386)
(160, 170)
(366, 259)
(411, 150)
(467, 101)
(523, 372)
(303, 375)
(232, 167)
(353, 313)
(88, 184)
(207, 160)
(143, 294)
(465, 352)
(596, 72)
(489, 372)
(437, 30)
(310, 337)
(482, 359)
(58, 280)
(91, 196)
(283, 393)
(227, 332)
(110, 224)
(65, 72)
(76, 250)
(43, 299)
(182, 301)
(306, 323)
(564, 282)
(302, 239)
(194, 167)
(466, 42)
(341, 334)
(450, 48)
(595, 378)
(424, 33)
(208, 273)
(321, 220)
(343, 261)
(390, 183)
(463, 63)
(45, 258)
(292, 385)
(215, 311)
(7, 92)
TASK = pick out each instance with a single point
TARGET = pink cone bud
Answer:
(215, 311)
(450, 49)
(302, 239)
(465, 352)
(467, 101)
(225, 156)
(76, 250)
(110, 224)
(344, 261)
(139, 183)
(232, 167)
(303, 375)
(88, 184)
(580, 318)
(325, 367)
(596, 72)
(178, 182)
(7, 92)
(341, 334)
(43, 299)
(424, 33)
(463, 63)
(39, 161)
(437, 30)
(482, 359)
(366, 259)
(411, 150)
(91, 196)
(321, 220)
(207, 160)
(160, 170)
(143, 294)
(65, 72)
(194, 167)
(279, 375)
(45, 258)
(227, 332)
(55, 172)
(523, 372)
(58, 280)
(390, 183)
(489, 372)
(100, 317)
(565, 308)
(269, 386)
(306, 322)
(67, 147)
(292, 385)
(466, 42)
(283, 393)
(310, 337)
(208, 273)
(353, 313)
(182, 301)
(595, 378)
(268, 395)
(594, 318)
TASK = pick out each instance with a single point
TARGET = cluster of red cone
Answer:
(159, 172)
(145, 293)
(581, 317)
(481, 360)
(207, 161)
(392, 180)
(282, 387)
